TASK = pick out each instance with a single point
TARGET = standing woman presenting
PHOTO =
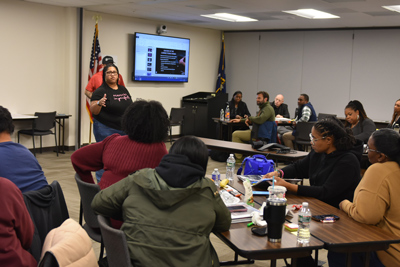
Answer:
(396, 115)
(108, 104)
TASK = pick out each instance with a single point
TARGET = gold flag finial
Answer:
(97, 17)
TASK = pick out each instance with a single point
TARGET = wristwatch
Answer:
(98, 103)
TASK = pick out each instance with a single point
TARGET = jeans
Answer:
(336, 259)
(100, 132)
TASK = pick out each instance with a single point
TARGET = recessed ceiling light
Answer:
(311, 14)
(393, 8)
(229, 17)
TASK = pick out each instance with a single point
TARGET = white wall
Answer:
(332, 67)
(38, 61)
(39, 54)
(116, 39)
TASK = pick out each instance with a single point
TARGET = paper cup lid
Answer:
(277, 188)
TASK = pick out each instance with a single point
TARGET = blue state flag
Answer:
(221, 79)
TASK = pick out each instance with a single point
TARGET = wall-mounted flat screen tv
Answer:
(159, 58)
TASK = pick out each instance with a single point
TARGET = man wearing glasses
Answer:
(281, 109)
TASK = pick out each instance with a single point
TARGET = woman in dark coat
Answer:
(238, 108)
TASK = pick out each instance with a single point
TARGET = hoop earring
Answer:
(358, 117)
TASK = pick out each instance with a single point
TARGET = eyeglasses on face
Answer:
(313, 140)
(111, 73)
(373, 150)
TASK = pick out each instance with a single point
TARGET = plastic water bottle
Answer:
(303, 234)
(396, 127)
(221, 114)
(230, 168)
(227, 113)
(216, 177)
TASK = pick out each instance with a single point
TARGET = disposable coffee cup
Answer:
(277, 193)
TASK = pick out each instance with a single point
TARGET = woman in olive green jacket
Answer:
(170, 211)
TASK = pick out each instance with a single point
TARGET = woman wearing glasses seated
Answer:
(376, 198)
(333, 166)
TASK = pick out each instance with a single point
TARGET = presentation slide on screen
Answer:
(161, 56)
(170, 61)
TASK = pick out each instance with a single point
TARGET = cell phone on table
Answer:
(237, 208)
(325, 218)
(260, 231)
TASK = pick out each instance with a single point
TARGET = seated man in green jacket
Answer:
(169, 212)
(266, 113)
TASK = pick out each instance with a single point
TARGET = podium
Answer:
(200, 108)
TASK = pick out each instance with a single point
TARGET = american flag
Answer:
(221, 78)
(95, 63)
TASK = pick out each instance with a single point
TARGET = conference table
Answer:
(244, 243)
(60, 120)
(343, 236)
(246, 149)
(230, 125)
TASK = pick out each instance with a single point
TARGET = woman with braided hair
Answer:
(358, 121)
(333, 166)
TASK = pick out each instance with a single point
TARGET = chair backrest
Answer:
(303, 130)
(322, 116)
(177, 115)
(48, 210)
(44, 121)
(87, 192)
(115, 243)
(266, 131)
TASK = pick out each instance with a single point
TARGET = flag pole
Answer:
(221, 78)
(90, 133)
(97, 18)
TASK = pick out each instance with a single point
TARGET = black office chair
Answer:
(91, 226)
(115, 243)
(48, 210)
(303, 130)
(176, 118)
(42, 125)
(322, 116)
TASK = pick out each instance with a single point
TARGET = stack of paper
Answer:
(243, 216)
